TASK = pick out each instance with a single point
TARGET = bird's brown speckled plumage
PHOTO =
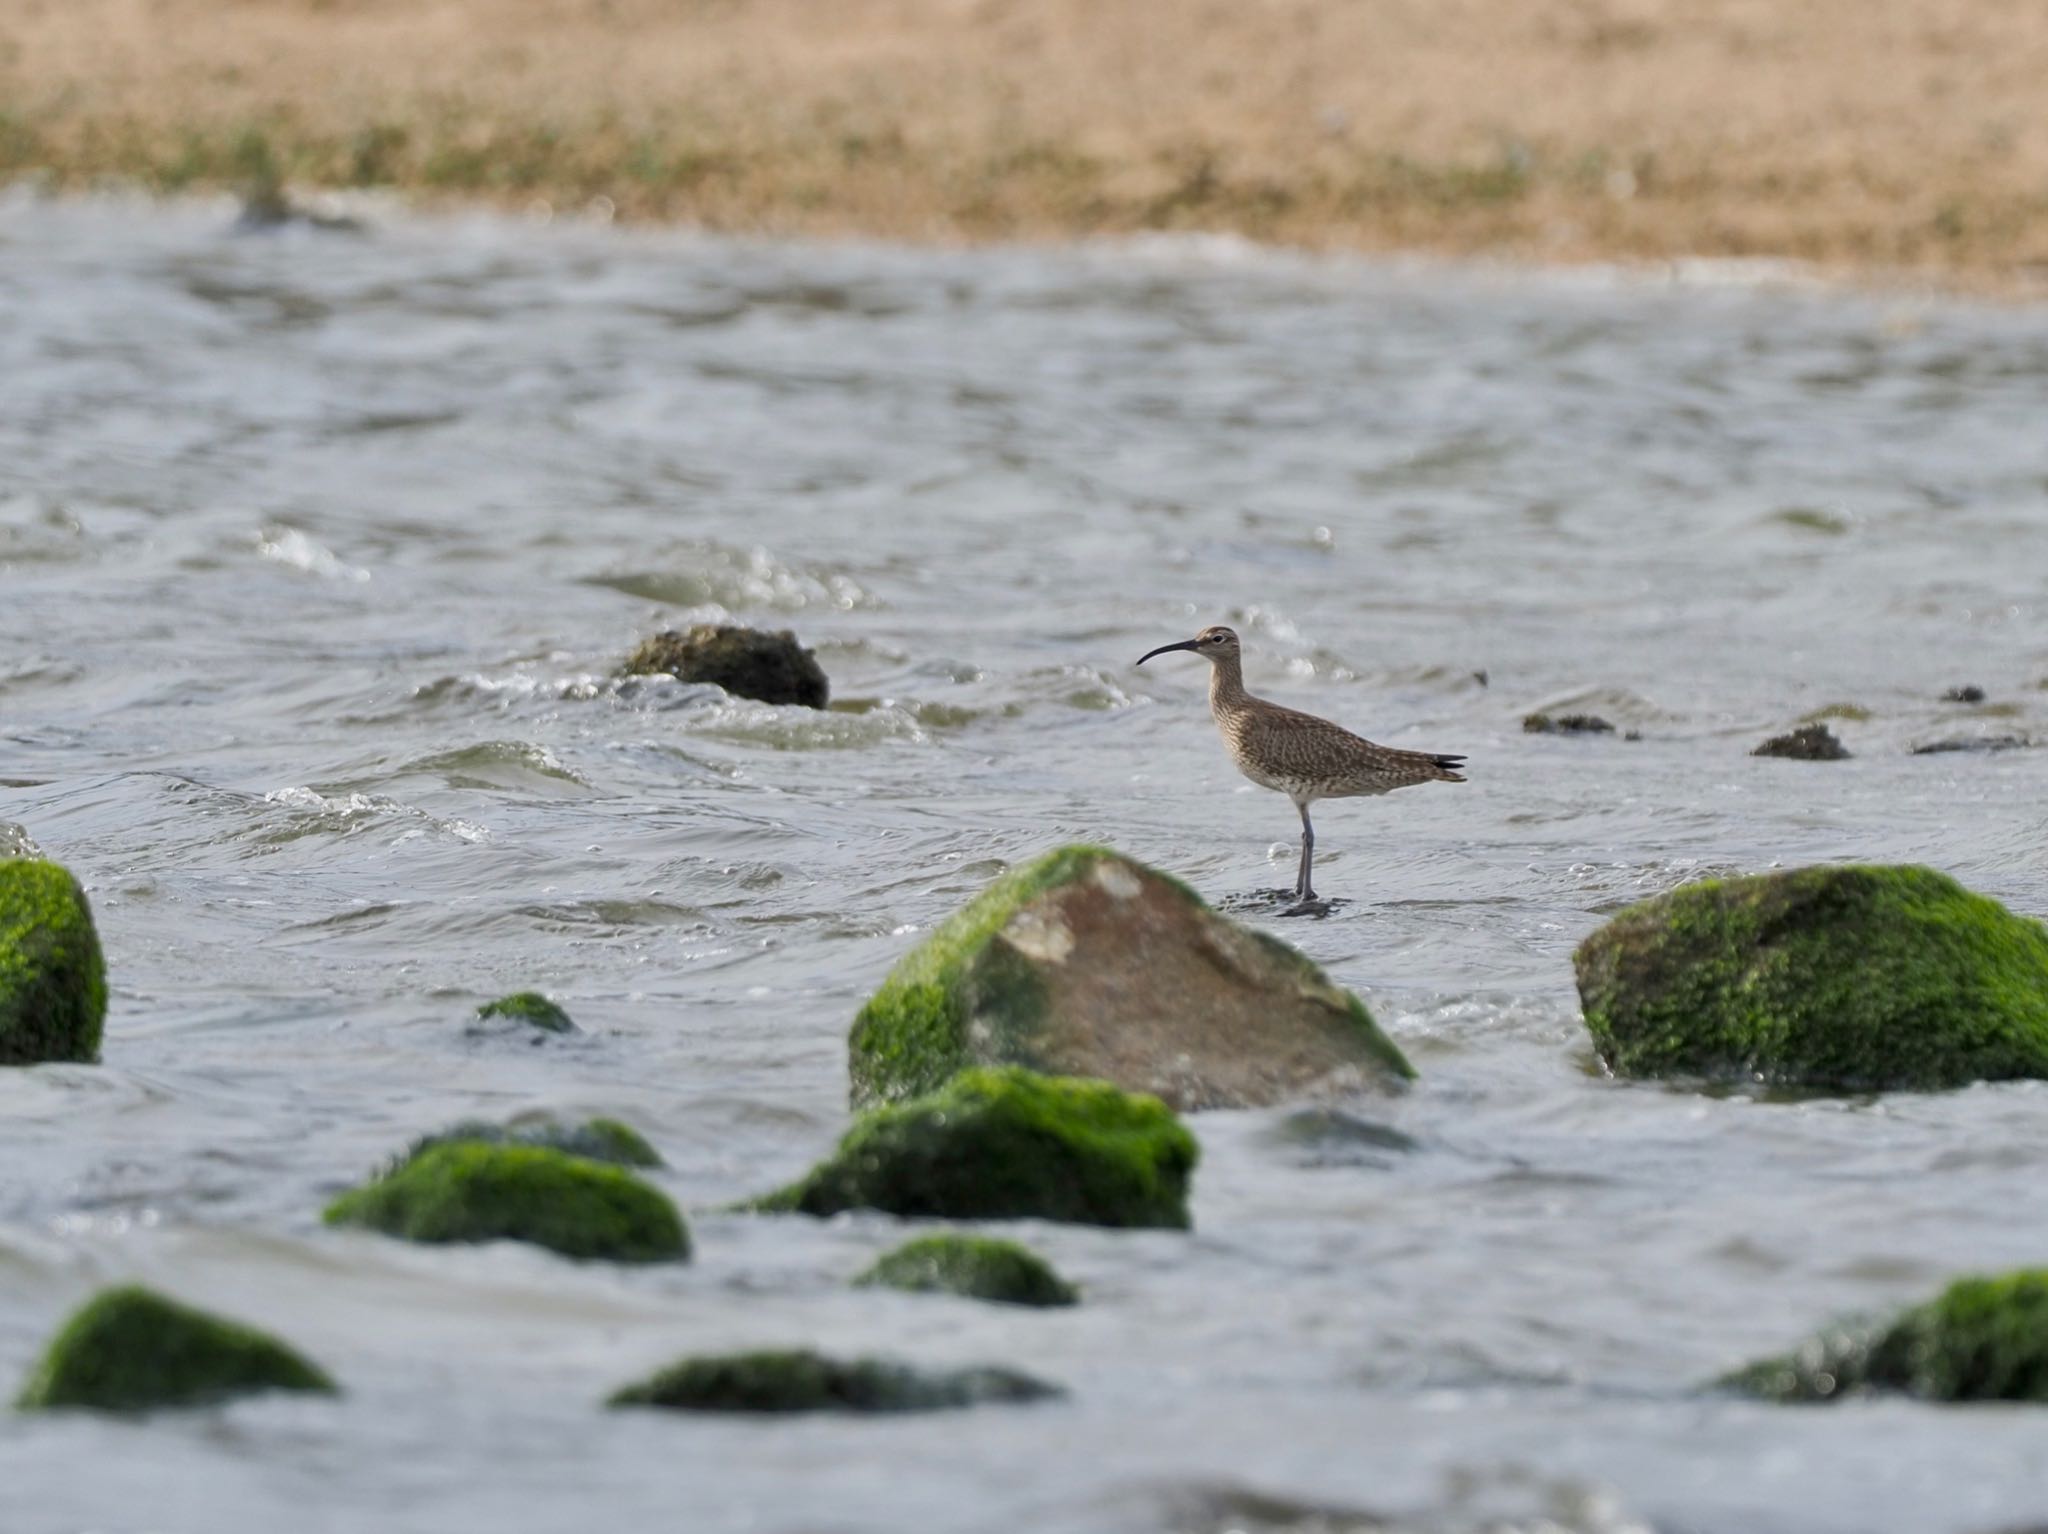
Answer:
(1297, 754)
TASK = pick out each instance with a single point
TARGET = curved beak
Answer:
(1185, 644)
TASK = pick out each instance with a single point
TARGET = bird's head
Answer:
(1216, 642)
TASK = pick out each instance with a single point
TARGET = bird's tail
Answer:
(1446, 768)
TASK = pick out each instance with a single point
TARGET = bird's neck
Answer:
(1226, 685)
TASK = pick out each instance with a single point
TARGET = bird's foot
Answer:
(1308, 905)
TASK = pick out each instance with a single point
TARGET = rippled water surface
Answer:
(318, 553)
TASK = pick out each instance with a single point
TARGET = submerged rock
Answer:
(1982, 1339)
(531, 1008)
(801, 1381)
(1566, 724)
(1969, 692)
(1852, 978)
(974, 1266)
(594, 1139)
(1973, 743)
(53, 980)
(748, 663)
(130, 1349)
(1085, 963)
(467, 1191)
(1009, 1144)
(1808, 743)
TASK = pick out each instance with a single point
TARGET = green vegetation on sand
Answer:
(1851, 979)
(977, 1267)
(467, 1191)
(53, 981)
(1981, 1339)
(796, 1381)
(1009, 1144)
(1086, 963)
(129, 1350)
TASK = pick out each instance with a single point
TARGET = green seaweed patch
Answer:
(1006, 1143)
(1850, 979)
(467, 1191)
(53, 978)
(130, 1349)
(531, 1008)
(803, 1381)
(1982, 1339)
(600, 1139)
(977, 1267)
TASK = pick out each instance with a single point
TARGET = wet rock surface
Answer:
(53, 979)
(1087, 963)
(803, 1381)
(748, 663)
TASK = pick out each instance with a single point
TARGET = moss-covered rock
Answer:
(1982, 1339)
(975, 1266)
(53, 981)
(797, 1381)
(468, 1191)
(530, 1008)
(1009, 1144)
(594, 1139)
(129, 1349)
(1085, 963)
(1854, 978)
(1808, 743)
(748, 663)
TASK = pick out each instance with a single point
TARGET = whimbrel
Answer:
(1301, 756)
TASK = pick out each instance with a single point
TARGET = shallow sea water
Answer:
(317, 554)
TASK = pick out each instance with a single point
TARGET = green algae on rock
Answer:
(802, 1381)
(1845, 979)
(748, 663)
(1009, 1144)
(1981, 1339)
(1086, 963)
(129, 1349)
(467, 1191)
(976, 1267)
(53, 979)
(528, 1007)
(599, 1139)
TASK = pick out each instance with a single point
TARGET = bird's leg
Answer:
(1303, 890)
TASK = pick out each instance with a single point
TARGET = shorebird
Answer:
(1297, 754)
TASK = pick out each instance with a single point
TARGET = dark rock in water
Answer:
(974, 1266)
(1331, 1137)
(1968, 693)
(1848, 979)
(594, 1140)
(466, 1191)
(130, 1350)
(1808, 743)
(53, 979)
(1085, 963)
(1982, 1339)
(1566, 724)
(797, 1381)
(1973, 743)
(748, 663)
(1008, 1144)
(531, 1008)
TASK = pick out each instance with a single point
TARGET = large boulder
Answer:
(1009, 1144)
(130, 1350)
(799, 1381)
(748, 663)
(1085, 963)
(1982, 1339)
(53, 981)
(1850, 979)
(976, 1267)
(470, 1191)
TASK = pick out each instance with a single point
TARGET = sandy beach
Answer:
(1863, 135)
